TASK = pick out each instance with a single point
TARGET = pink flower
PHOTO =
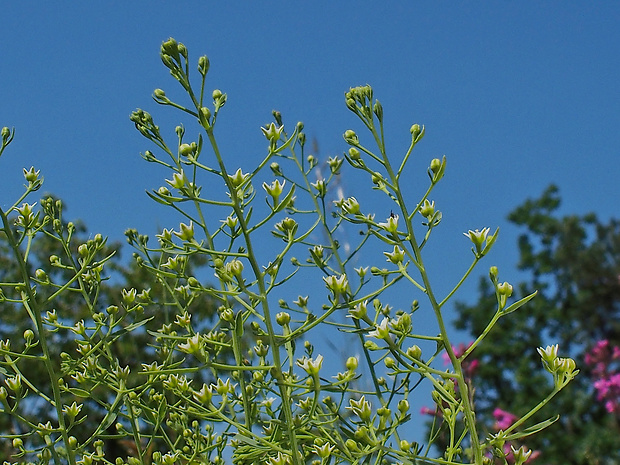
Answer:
(469, 366)
(605, 374)
(430, 411)
(503, 419)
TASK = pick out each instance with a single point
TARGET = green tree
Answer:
(574, 263)
(133, 351)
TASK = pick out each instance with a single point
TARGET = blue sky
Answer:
(516, 96)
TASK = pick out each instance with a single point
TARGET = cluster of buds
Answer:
(145, 125)
(359, 101)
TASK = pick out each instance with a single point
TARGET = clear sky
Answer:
(517, 95)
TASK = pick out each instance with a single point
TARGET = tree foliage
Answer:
(574, 263)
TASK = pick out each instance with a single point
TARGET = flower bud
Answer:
(170, 48)
(414, 352)
(160, 96)
(354, 154)
(83, 250)
(417, 133)
(41, 275)
(203, 116)
(378, 110)
(182, 50)
(403, 406)
(6, 133)
(283, 318)
(185, 149)
(203, 65)
(28, 336)
(352, 363)
(351, 137)
(275, 168)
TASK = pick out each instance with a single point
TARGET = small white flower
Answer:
(311, 366)
(391, 225)
(381, 330)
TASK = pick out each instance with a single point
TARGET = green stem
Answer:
(29, 298)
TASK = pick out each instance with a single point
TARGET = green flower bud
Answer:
(227, 314)
(378, 110)
(416, 132)
(160, 96)
(28, 336)
(275, 168)
(283, 318)
(6, 133)
(204, 115)
(83, 250)
(437, 169)
(352, 363)
(287, 225)
(414, 352)
(185, 149)
(217, 94)
(41, 275)
(171, 48)
(182, 50)
(352, 446)
(389, 362)
(203, 65)
(354, 154)
(18, 443)
(350, 137)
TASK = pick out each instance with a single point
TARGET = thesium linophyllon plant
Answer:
(251, 387)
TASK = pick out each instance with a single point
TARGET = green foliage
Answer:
(142, 366)
(574, 263)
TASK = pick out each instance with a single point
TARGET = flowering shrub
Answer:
(252, 388)
(604, 361)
